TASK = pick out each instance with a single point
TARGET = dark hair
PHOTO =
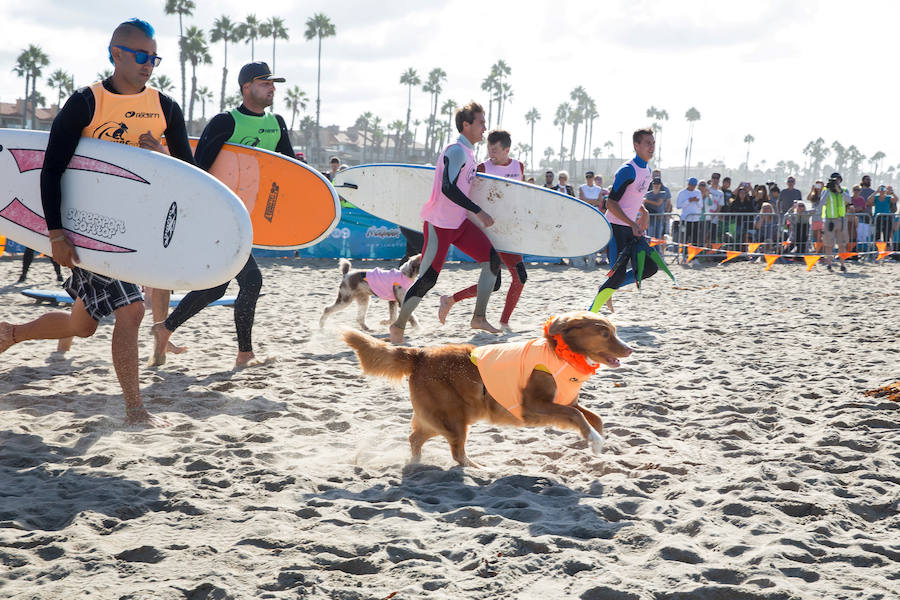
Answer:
(728, 179)
(334, 159)
(466, 114)
(638, 135)
(500, 136)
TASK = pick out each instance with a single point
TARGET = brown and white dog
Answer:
(449, 392)
(392, 286)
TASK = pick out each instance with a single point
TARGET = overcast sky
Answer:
(783, 71)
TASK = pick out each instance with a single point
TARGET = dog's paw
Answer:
(596, 441)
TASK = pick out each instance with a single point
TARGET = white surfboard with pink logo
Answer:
(134, 215)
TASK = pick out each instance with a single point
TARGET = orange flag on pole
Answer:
(2, 244)
(716, 246)
(692, 252)
(751, 248)
(729, 254)
(811, 261)
(656, 242)
(785, 243)
(883, 252)
(846, 255)
(770, 260)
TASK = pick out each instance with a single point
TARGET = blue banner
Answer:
(362, 235)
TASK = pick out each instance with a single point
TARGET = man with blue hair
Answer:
(122, 110)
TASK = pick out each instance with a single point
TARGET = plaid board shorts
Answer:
(101, 295)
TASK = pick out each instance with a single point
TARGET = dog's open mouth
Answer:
(610, 361)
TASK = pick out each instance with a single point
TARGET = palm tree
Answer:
(396, 126)
(576, 116)
(308, 132)
(194, 50)
(661, 115)
(590, 113)
(876, 162)
(104, 74)
(224, 30)
(64, 84)
(548, 155)
(362, 122)
(448, 108)
(318, 26)
(297, 100)
(500, 70)
(181, 8)
(532, 117)
(522, 149)
(162, 83)
(275, 29)
(816, 151)
(249, 32)
(409, 78)
(840, 155)
(692, 115)
(203, 95)
(560, 119)
(748, 139)
(609, 148)
(488, 85)
(434, 86)
(30, 64)
(377, 135)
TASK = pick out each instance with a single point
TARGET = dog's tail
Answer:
(381, 358)
(344, 266)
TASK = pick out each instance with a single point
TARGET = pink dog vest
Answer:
(505, 369)
(633, 198)
(383, 282)
(440, 211)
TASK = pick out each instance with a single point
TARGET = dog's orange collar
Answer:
(578, 361)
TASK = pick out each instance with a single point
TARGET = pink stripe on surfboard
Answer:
(21, 215)
(29, 160)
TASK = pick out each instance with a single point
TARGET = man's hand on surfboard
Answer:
(148, 142)
(485, 218)
(62, 249)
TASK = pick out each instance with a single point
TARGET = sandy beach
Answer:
(771, 475)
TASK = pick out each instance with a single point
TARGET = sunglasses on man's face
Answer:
(141, 57)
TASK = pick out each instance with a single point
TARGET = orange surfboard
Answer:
(291, 204)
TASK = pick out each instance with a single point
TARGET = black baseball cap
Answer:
(836, 176)
(257, 70)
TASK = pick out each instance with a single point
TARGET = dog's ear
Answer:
(567, 325)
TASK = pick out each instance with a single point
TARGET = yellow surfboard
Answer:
(291, 204)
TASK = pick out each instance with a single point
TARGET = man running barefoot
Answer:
(446, 222)
(500, 164)
(247, 125)
(144, 115)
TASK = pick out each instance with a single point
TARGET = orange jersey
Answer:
(505, 369)
(122, 118)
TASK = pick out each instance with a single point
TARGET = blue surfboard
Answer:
(63, 297)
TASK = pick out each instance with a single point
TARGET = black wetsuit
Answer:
(218, 131)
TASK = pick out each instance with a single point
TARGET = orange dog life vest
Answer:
(505, 369)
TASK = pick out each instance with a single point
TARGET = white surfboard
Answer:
(134, 215)
(527, 219)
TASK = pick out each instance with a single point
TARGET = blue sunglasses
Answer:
(140, 57)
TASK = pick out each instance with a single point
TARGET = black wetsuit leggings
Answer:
(250, 282)
(28, 256)
(415, 240)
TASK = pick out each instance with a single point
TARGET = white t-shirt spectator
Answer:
(718, 197)
(591, 193)
(690, 211)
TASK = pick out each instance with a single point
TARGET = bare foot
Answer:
(446, 304)
(64, 344)
(160, 344)
(138, 415)
(6, 336)
(248, 359)
(396, 335)
(170, 347)
(610, 306)
(482, 323)
(505, 327)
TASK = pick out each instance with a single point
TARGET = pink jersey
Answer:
(440, 210)
(513, 170)
(383, 282)
(633, 198)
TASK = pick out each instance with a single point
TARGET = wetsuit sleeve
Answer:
(65, 133)
(454, 160)
(218, 131)
(624, 177)
(284, 143)
(176, 132)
